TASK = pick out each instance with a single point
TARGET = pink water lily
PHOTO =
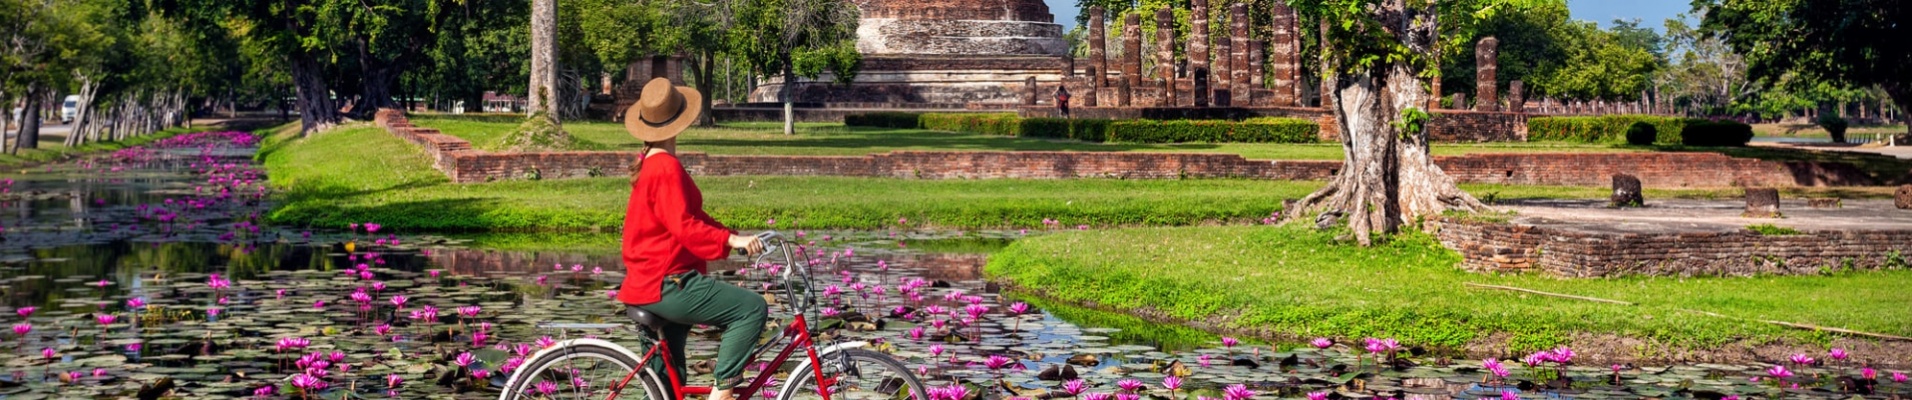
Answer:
(1802, 359)
(399, 301)
(106, 319)
(393, 381)
(136, 303)
(1237, 392)
(1322, 343)
(1837, 354)
(1172, 383)
(1322, 395)
(1779, 371)
(464, 359)
(25, 311)
(21, 329)
(1229, 341)
(1074, 387)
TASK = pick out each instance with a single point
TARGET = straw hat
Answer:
(662, 111)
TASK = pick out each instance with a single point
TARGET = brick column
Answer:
(1165, 55)
(1033, 95)
(1089, 96)
(1286, 55)
(1238, 55)
(1132, 50)
(1098, 48)
(1487, 91)
(1218, 76)
(1516, 96)
(1198, 48)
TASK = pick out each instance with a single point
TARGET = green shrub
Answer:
(1642, 134)
(1602, 129)
(1004, 124)
(1772, 230)
(1834, 126)
(1258, 130)
(1053, 128)
(1701, 132)
(899, 120)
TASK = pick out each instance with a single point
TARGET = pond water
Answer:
(146, 273)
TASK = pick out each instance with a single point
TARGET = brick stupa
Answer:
(942, 52)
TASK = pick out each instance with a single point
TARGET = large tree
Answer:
(1845, 43)
(1379, 52)
(796, 38)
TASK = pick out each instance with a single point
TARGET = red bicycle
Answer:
(594, 368)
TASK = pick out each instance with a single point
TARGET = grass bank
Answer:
(54, 151)
(1296, 282)
(390, 181)
(835, 139)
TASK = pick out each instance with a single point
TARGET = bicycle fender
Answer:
(560, 346)
(804, 367)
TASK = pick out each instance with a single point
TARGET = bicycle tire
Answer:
(522, 382)
(802, 382)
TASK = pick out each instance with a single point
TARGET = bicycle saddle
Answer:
(645, 318)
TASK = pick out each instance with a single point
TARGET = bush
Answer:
(1699, 132)
(1834, 126)
(1602, 129)
(1004, 124)
(1642, 134)
(1258, 130)
(899, 120)
(1088, 130)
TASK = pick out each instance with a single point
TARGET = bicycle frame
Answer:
(797, 334)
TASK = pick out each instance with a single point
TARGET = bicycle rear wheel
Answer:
(581, 371)
(860, 375)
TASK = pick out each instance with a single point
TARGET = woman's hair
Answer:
(637, 166)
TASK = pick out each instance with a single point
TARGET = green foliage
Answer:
(1772, 230)
(1413, 120)
(796, 37)
(1002, 124)
(1087, 130)
(1851, 43)
(1642, 134)
(1259, 130)
(1603, 129)
(540, 132)
(1292, 280)
(1833, 124)
(1715, 133)
(891, 119)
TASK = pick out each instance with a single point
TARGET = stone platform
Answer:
(1584, 238)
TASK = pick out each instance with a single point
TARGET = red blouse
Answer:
(666, 230)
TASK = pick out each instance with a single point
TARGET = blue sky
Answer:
(1602, 11)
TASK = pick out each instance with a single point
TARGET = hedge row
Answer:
(1258, 130)
(1614, 129)
(1254, 130)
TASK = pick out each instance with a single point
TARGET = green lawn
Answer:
(55, 150)
(836, 139)
(1301, 283)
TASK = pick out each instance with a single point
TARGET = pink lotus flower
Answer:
(1322, 395)
(1779, 371)
(546, 388)
(480, 374)
(433, 273)
(1837, 353)
(136, 303)
(48, 353)
(469, 311)
(1230, 342)
(318, 304)
(1237, 392)
(935, 350)
(99, 372)
(1096, 396)
(393, 381)
(1898, 377)
(399, 301)
(21, 329)
(464, 359)
(1129, 384)
(25, 311)
(134, 347)
(1172, 383)
(1509, 395)
(371, 227)
(546, 342)
(106, 319)
(1868, 373)
(1322, 343)
(382, 329)
(1801, 359)
(212, 312)
(998, 362)
(1073, 387)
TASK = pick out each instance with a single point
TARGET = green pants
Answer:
(693, 298)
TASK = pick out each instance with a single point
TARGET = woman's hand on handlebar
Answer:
(748, 244)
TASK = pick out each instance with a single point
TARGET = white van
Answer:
(69, 109)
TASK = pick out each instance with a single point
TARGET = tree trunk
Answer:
(1388, 177)
(316, 110)
(544, 62)
(83, 111)
(376, 83)
(789, 99)
(29, 136)
(705, 85)
(1901, 94)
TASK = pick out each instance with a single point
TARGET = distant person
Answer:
(1062, 100)
(668, 237)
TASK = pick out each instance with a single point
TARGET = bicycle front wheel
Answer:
(858, 374)
(581, 371)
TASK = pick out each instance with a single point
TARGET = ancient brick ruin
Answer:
(942, 52)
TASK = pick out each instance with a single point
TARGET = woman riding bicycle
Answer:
(668, 238)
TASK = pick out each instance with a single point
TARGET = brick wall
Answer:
(1567, 251)
(1474, 126)
(457, 159)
